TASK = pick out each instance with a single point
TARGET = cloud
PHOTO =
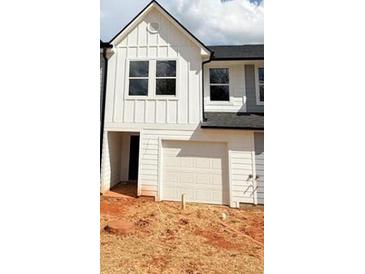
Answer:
(115, 14)
(215, 22)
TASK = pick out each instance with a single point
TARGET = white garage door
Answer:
(198, 169)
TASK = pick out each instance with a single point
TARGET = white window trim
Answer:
(214, 102)
(151, 94)
(257, 86)
(164, 96)
(128, 78)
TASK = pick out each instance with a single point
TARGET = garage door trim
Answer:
(225, 158)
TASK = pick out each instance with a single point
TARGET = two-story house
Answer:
(183, 117)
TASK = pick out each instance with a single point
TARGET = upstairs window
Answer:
(165, 77)
(138, 78)
(260, 91)
(219, 84)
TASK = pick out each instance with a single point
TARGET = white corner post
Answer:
(254, 181)
(105, 171)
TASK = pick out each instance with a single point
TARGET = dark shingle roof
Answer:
(105, 45)
(244, 52)
(234, 120)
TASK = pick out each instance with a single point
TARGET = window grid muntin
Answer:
(165, 77)
(219, 84)
(138, 77)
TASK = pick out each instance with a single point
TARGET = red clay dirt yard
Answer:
(139, 235)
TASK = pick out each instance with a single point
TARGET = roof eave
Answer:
(238, 59)
(224, 127)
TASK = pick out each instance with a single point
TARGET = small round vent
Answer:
(154, 27)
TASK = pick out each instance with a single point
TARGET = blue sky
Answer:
(215, 22)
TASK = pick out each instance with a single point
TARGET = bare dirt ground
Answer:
(161, 238)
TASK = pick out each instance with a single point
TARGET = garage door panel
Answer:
(203, 179)
(214, 197)
(218, 196)
(203, 163)
(193, 170)
(186, 178)
(216, 179)
(187, 163)
(171, 178)
(216, 164)
(170, 193)
(189, 196)
(202, 195)
(197, 169)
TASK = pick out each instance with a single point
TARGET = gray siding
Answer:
(259, 159)
(251, 90)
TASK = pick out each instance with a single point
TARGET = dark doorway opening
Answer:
(133, 158)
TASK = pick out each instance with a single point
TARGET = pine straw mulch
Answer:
(166, 239)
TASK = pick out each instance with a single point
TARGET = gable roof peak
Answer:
(158, 6)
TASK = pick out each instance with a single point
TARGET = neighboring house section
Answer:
(177, 118)
(254, 97)
(238, 68)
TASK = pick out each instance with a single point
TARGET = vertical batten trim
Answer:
(138, 26)
(125, 88)
(156, 111)
(188, 95)
(134, 111)
(200, 95)
(115, 84)
(177, 112)
(178, 84)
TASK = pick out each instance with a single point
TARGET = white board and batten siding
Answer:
(167, 44)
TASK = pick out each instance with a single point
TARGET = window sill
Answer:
(145, 98)
(136, 97)
(163, 97)
(219, 103)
